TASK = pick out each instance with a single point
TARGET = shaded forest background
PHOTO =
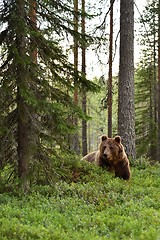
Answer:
(52, 113)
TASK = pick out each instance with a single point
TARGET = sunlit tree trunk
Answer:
(110, 73)
(84, 98)
(126, 112)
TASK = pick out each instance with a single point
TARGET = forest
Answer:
(60, 91)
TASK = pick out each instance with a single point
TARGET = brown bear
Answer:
(111, 155)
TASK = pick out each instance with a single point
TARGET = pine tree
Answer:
(146, 85)
(144, 104)
(35, 93)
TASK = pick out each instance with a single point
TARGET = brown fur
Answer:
(111, 155)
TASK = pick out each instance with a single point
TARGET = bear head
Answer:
(111, 150)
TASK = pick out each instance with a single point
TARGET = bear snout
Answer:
(105, 155)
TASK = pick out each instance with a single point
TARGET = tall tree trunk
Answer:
(33, 69)
(24, 123)
(76, 146)
(110, 72)
(84, 97)
(158, 148)
(153, 101)
(126, 113)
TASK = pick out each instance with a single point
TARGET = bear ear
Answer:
(104, 137)
(117, 139)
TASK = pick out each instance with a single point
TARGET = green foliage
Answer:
(98, 206)
(145, 106)
(146, 85)
(38, 91)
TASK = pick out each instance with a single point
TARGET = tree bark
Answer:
(158, 145)
(84, 97)
(126, 112)
(76, 145)
(24, 123)
(110, 73)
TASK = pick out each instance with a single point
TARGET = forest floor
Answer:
(96, 206)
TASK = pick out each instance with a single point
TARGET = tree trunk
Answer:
(110, 73)
(76, 146)
(24, 123)
(84, 97)
(89, 127)
(26, 138)
(158, 147)
(126, 113)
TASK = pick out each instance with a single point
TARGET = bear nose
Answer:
(105, 155)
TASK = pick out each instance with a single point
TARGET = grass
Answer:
(97, 206)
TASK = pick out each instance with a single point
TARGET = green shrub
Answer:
(97, 206)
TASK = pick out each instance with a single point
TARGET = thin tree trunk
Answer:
(84, 98)
(110, 73)
(76, 146)
(158, 148)
(126, 113)
(75, 50)
(151, 113)
(89, 128)
(155, 77)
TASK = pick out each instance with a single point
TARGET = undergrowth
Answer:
(91, 205)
